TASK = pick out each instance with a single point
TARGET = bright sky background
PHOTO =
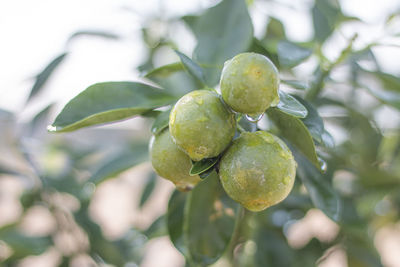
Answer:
(34, 32)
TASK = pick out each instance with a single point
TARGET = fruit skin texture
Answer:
(201, 125)
(249, 83)
(258, 170)
(170, 162)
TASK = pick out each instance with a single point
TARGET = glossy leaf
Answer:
(203, 165)
(315, 125)
(291, 106)
(209, 221)
(193, 68)
(222, 32)
(161, 122)
(42, 78)
(290, 54)
(148, 188)
(294, 130)
(120, 162)
(175, 219)
(109, 102)
(296, 84)
(319, 187)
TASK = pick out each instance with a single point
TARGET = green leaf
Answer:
(222, 32)
(391, 98)
(148, 189)
(325, 14)
(315, 125)
(290, 54)
(193, 68)
(175, 217)
(94, 33)
(174, 79)
(203, 165)
(21, 244)
(120, 162)
(42, 78)
(275, 29)
(109, 102)
(161, 122)
(297, 84)
(157, 228)
(209, 221)
(291, 106)
(39, 122)
(294, 130)
(319, 187)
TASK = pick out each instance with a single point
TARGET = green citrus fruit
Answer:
(201, 125)
(249, 83)
(170, 162)
(258, 170)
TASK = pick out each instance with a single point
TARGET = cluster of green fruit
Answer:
(256, 169)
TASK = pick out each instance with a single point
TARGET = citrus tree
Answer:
(239, 132)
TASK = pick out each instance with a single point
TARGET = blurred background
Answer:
(58, 203)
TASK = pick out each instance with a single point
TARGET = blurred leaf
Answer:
(95, 33)
(161, 122)
(99, 245)
(40, 120)
(120, 162)
(258, 47)
(23, 245)
(203, 165)
(272, 249)
(109, 102)
(193, 68)
(148, 188)
(42, 78)
(174, 79)
(315, 125)
(318, 186)
(175, 218)
(390, 82)
(290, 105)
(209, 221)
(290, 54)
(391, 98)
(190, 20)
(275, 29)
(297, 84)
(157, 228)
(296, 132)
(325, 14)
(222, 32)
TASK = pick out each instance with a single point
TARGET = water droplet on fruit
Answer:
(323, 165)
(286, 180)
(254, 119)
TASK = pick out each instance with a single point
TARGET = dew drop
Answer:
(51, 128)
(254, 119)
(323, 165)
(286, 180)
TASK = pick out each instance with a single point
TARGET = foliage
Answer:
(205, 224)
